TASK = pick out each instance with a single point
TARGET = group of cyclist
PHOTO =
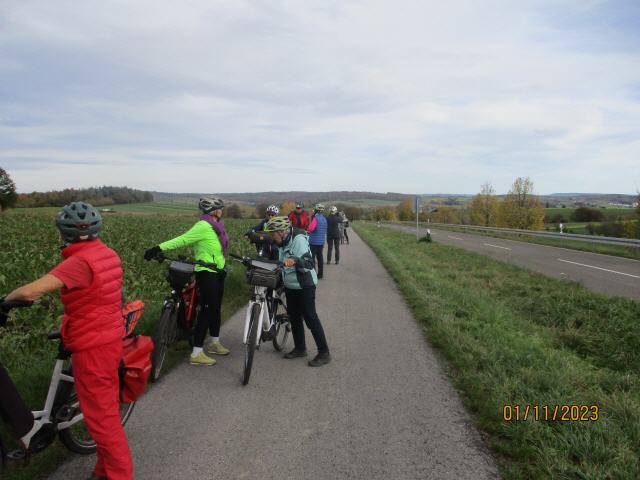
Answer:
(90, 281)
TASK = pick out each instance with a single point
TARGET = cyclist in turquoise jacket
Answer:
(300, 282)
(210, 243)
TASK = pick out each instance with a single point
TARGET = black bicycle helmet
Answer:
(209, 204)
(79, 221)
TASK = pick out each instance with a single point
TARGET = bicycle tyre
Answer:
(162, 339)
(282, 329)
(250, 346)
(76, 438)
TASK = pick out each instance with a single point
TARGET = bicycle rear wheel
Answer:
(76, 437)
(163, 337)
(250, 346)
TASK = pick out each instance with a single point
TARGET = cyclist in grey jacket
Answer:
(300, 282)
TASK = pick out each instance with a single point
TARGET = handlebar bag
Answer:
(180, 274)
(264, 278)
(135, 367)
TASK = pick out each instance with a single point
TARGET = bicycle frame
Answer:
(259, 296)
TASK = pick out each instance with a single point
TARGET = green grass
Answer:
(29, 247)
(582, 245)
(513, 337)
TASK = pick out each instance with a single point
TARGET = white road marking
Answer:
(496, 246)
(599, 268)
(454, 238)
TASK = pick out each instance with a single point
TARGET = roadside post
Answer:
(416, 208)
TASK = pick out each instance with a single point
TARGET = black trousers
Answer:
(210, 291)
(316, 251)
(12, 408)
(302, 304)
(333, 241)
(346, 235)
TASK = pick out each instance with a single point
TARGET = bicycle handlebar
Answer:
(6, 306)
(161, 258)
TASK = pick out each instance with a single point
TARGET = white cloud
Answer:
(411, 96)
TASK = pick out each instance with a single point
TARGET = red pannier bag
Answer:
(135, 365)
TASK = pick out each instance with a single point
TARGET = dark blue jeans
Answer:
(302, 304)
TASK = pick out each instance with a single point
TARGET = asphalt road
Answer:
(601, 273)
(383, 409)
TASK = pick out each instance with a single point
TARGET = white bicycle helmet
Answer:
(273, 210)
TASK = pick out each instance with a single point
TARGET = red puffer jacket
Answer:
(92, 315)
(301, 220)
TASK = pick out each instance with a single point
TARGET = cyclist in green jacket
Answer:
(210, 241)
(300, 282)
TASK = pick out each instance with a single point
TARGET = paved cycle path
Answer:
(383, 409)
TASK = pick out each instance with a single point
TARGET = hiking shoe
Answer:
(320, 359)
(217, 348)
(295, 354)
(201, 359)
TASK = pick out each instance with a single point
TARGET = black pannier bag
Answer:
(180, 274)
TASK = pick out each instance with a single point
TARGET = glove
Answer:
(152, 253)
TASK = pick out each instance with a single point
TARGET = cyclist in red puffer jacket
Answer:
(90, 282)
(299, 218)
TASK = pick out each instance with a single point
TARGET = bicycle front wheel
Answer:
(163, 337)
(77, 437)
(250, 346)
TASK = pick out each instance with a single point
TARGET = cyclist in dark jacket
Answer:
(268, 248)
(318, 235)
(299, 218)
(13, 409)
(333, 233)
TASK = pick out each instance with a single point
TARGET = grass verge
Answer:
(516, 338)
(585, 246)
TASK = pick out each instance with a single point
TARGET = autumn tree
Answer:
(233, 211)
(404, 210)
(287, 207)
(261, 210)
(8, 194)
(447, 215)
(483, 209)
(520, 208)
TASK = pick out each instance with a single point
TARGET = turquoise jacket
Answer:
(303, 273)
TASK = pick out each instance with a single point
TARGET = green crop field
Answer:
(511, 338)
(610, 213)
(30, 247)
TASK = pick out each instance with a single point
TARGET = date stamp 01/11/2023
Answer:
(551, 413)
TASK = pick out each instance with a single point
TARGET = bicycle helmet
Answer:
(273, 210)
(79, 221)
(333, 210)
(277, 224)
(209, 204)
(299, 204)
(318, 207)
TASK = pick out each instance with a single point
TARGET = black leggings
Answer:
(333, 241)
(210, 291)
(346, 235)
(12, 408)
(316, 252)
(302, 304)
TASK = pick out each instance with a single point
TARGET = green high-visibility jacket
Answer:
(206, 245)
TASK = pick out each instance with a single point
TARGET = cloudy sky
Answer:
(408, 96)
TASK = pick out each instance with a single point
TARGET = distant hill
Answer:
(373, 199)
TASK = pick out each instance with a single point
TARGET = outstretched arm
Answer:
(34, 290)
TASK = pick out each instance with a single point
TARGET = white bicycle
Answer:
(61, 414)
(266, 318)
